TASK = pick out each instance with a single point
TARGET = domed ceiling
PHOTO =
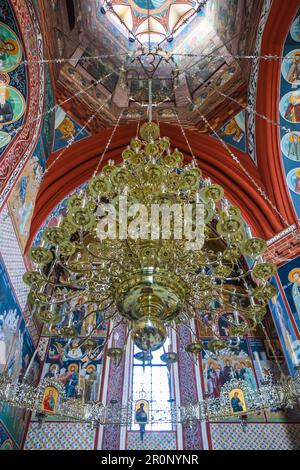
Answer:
(194, 47)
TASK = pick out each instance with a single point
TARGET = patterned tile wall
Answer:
(257, 437)
(60, 436)
(151, 441)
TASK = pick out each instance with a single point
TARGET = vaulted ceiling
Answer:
(200, 58)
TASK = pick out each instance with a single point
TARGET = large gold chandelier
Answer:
(153, 285)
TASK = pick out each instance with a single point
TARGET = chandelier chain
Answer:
(194, 160)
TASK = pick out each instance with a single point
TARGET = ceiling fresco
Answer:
(195, 59)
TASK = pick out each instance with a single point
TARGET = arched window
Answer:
(153, 382)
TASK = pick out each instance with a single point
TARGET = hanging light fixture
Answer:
(126, 266)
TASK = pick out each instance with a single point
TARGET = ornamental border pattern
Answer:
(252, 91)
(25, 141)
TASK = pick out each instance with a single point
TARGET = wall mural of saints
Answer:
(21, 201)
(293, 180)
(18, 352)
(10, 49)
(66, 129)
(86, 320)
(295, 30)
(289, 109)
(291, 67)
(237, 400)
(78, 371)
(289, 275)
(12, 105)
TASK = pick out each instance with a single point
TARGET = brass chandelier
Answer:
(152, 285)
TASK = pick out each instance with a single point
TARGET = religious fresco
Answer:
(75, 367)
(227, 22)
(13, 90)
(66, 130)
(88, 326)
(15, 419)
(6, 443)
(10, 314)
(154, 5)
(234, 131)
(10, 49)
(19, 349)
(291, 67)
(47, 130)
(284, 326)
(289, 112)
(97, 68)
(265, 363)
(295, 30)
(230, 363)
(290, 146)
(289, 276)
(22, 198)
(219, 369)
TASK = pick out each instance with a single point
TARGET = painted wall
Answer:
(289, 112)
(18, 332)
(22, 199)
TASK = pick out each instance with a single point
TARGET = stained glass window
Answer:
(153, 382)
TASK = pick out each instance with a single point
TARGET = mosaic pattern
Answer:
(60, 436)
(256, 437)
(151, 441)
